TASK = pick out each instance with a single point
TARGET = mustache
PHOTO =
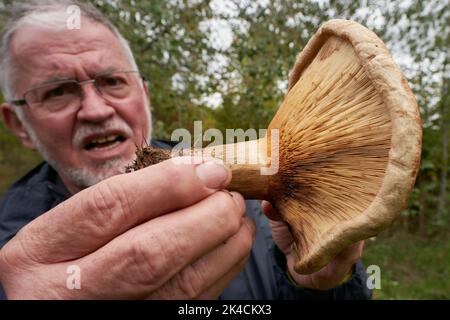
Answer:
(90, 129)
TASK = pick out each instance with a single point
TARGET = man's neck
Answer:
(71, 187)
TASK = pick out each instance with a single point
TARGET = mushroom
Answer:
(349, 141)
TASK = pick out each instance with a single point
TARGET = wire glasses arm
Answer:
(21, 102)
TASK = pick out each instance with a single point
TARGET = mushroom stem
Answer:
(248, 181)
(248, 162)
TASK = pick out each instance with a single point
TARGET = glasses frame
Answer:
(23, 101)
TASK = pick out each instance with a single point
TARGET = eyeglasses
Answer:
(59, 95)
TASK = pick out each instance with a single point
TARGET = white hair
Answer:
(49, 14)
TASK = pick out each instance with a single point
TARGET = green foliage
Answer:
(421, 269)
(168, 45)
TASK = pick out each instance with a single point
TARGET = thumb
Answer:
(96, 215)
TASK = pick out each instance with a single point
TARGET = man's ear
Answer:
(14, 124)
(147, 91)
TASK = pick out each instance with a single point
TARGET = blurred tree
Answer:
(268, 35)
(171, 52)
(444, 110)
(422, 31)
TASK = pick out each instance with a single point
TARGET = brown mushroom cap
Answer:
(393, 114)
(349, 145)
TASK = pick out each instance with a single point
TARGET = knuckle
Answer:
(227, 212)
(247, 240)
(14, 258)
(190, 282)
(178, 180)
(157, 257)
(149, 261)
(176, 175)
(173, 171)
(105, 204)
(4, 261)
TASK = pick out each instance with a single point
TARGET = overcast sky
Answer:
(220, 34)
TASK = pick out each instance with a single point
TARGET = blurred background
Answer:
(226, 62)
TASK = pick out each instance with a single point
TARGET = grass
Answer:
(411, 267)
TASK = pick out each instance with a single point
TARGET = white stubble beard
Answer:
(84, 177)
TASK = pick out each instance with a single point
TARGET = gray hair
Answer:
(43, 13)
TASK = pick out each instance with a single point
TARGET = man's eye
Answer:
(112, 81)
(54, 93)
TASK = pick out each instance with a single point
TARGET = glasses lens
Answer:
(117, 85)
(55, 96)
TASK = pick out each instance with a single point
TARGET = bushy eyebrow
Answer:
(53, 80)
(105, 71)
(57, 79)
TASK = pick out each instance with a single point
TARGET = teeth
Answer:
(105, 139)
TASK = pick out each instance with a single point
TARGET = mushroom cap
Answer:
(402, 155)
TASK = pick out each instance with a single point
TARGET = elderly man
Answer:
(167, 231)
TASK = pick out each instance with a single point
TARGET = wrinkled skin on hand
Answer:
(163, 232)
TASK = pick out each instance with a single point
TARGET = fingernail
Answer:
(213, 175)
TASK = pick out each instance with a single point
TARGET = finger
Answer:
(343, 263)
(270, 211)
(351, 254)
(339, 268)
(282, 236)
(220, 285)
(147, 256)
(96, 215)
(208, 276)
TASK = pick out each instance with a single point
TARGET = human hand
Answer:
(331, 275)
(166, 231)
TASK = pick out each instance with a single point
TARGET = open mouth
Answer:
(105, 142)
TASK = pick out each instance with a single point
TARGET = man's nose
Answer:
(94, 108)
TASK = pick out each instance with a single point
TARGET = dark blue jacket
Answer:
(264, 277)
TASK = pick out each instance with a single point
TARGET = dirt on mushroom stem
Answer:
(147, 156)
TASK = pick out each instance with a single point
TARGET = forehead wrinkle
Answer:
(41, 41)
(62, 59)
(66, 58)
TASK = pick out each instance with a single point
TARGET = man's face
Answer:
(98, 138)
